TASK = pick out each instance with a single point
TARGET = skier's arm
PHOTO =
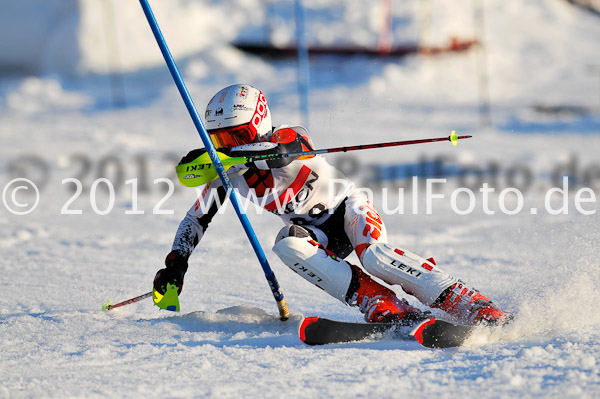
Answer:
(283, 141)
(196, 221)
(190, 232)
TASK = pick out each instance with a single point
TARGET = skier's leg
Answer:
(298, 248)
(417, 276)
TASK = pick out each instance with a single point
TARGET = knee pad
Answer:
(315, 264)
(417, 276)
(310, 232)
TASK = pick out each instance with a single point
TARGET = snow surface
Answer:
(57, 270)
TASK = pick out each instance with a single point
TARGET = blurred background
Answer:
(353, 73)
(540, 56)
(85, 94)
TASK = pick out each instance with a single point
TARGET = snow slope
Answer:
(57, 270)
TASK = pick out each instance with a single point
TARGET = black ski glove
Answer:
(192, 155)
(173, 274)
(265, 149)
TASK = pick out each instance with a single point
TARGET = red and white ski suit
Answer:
(311, 194)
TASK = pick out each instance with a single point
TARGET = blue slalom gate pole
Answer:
(303, 62)
(212, 152)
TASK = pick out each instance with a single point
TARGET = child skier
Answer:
(323, 223)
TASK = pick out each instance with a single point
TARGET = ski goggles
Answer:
(232, 136)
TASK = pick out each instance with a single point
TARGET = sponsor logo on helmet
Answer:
(243, 92)
(259, 113)
(219, 112)
(208, 113)
(222, 98)
(240, 107)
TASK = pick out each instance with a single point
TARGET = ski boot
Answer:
(469, 306)
(379, 303)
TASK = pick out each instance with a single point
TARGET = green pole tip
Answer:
(106, 306)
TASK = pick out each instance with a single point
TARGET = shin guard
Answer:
(377, 302)
(417, 276)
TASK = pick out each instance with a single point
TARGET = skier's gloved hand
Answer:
(192, 155)
(172, 274)
(264, 149)
(168, 276)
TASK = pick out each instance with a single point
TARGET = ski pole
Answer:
(214, 157)
(109, 306)
(200, 170)
(453, 138)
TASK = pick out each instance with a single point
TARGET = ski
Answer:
(322, 331)
(430, 333)
(438, 334)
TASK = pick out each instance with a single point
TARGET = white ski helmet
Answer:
(238, 115)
